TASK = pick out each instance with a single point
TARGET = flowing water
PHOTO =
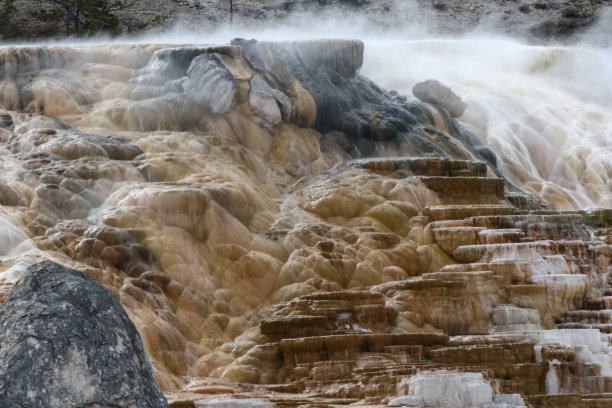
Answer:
(545, 111)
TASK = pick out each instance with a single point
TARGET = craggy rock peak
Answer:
(66, 342)
(280, 228)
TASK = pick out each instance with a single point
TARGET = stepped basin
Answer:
(588, 317)
(551, 265)
(563, 292)
(452, 223)
(540, 227)
(468, 190)
(525, 252)
(458, 276)
(295, 326)
(599, 303)
(444, 389)
(511, 271)
(348, 346)
(501, 236)
(459, 212)
(509, 353)
(603, 328)
(421, 166)
(583, 337)
(452, 237)
(509, 318)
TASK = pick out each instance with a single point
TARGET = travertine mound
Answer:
(302, 237)
(65, 341)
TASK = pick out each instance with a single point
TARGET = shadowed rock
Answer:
(66, 342)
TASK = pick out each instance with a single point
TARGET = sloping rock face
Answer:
(66, 342)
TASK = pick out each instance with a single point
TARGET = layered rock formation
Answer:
(278, 226)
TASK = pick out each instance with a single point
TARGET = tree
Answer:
(86, 17)
(7, 28)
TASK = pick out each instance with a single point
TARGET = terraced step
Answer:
(458, 276)
(449, 238)
(348, 346)
(525, 251)
(604, 328)
(554, 227)
(603, 400)
(511, 271)
(587, 317)
(500, 236)
(574, 251)
(466, 189)
(510, 353)
(599, 303)
(459, 212)
(422, 166)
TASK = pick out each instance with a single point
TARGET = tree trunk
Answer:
(68, 18)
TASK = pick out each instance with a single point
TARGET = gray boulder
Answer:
(263, 100)
(432, 91)
(210, 84)
(65, 341)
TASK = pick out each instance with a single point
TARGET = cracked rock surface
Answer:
(65, 341)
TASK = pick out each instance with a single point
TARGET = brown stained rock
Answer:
(182, 403)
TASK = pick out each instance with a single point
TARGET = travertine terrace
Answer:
(282, 230)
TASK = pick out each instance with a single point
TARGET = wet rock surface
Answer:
(65, 341)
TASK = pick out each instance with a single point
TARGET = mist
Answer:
(543, 109)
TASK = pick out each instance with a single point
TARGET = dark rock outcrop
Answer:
(65, 341)
(327, 69)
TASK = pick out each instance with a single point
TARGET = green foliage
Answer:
(160, 21)
(7, 28)
(85, 17)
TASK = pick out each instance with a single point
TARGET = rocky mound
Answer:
(65, 341)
